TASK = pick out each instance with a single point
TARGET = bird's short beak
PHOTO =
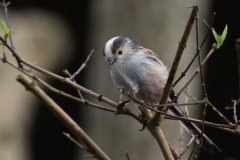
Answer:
(111, 61)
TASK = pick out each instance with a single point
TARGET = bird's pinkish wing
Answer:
(148, 52)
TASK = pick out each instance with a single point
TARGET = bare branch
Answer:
(198, 50)
(8, 23)
(66, 119)
(176, 117)
(190, 142)
(86, 102)
(224, 119)
(13, 52)
(74, 141)
(203, 84)
(158, 117)
(175, 104)
(214, 48)
(69, 74)
(83, 66)
(127, 112)
(159, 136)
(127, 156)
(235, 102)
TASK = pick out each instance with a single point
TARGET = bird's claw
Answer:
(144, 122)
(121, 105)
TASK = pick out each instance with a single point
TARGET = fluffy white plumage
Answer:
(137, 69)
(141, 73)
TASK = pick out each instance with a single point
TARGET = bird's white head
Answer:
(119, 49)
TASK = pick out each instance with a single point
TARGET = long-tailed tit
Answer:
(141, 73)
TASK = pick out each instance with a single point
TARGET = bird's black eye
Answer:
(120, 52)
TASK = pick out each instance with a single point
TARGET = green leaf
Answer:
(219, 40)
(4, 27)
(215, 34)
(224, 34)
(7, 34)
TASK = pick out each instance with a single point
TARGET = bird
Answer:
(142, 75)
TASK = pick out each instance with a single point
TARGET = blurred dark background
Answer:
(47, 139)
(221, 75)
(222, 79)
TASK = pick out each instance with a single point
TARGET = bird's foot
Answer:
(144, 122)
(121, 105)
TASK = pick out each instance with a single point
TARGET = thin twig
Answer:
(127, 156)
(176, 104)
(86, 102)
(203, 83)
(82, 66)
(66, 119)
(158, 135)
(235, 103)
(120, 98)
(214, 48)
(199, 58)
(224, 119)
(74, 141)
(193, 150)
(175, 117)
(130, 113)
(187, 95)
(8, 23)
(182, 45)
(13, 52)
(108, 101)
(174, 153)
(235, 111)
(69, 74)
(181, 139)
(127, 111)
(199, 49)
(190, 142)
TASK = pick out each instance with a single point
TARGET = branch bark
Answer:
(63, 116)
(159, 136)
(182, 45)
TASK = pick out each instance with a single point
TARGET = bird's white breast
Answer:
(141, 77)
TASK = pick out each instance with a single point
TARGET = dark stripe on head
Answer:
(135, 46)
(117, 43)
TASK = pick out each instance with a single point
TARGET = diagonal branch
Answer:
(82, 66)
(176, 117)
(8, 23)
(199, 49)
(69, 74)
(182, 45)
(189, 144)
(214, 48)
(63, 116)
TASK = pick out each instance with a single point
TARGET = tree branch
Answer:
(182, 45)
(82, 66)
(63, 116)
